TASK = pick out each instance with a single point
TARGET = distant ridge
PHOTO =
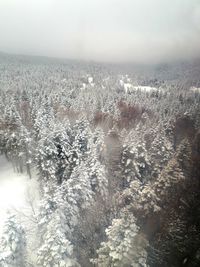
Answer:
(188, 70)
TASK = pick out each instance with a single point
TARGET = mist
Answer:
(144, 31)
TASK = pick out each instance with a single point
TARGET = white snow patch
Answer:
(145, 88)
(195, 89)
(130, 88)
(83, 86)
(16, 191)
(121, 82)
(90, 80)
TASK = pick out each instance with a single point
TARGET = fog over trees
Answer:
(144, 31)
(99, 133)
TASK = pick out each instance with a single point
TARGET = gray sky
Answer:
(106, 30)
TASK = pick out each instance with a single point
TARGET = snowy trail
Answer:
(14, 188)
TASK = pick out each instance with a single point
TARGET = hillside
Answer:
(111, 152)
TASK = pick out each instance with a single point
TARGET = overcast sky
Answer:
(106, 30)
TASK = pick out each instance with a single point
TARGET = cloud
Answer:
(106, 30)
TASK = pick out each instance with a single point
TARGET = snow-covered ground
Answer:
(17, 191)
(195, 89)
(129, 87)
(145, 88)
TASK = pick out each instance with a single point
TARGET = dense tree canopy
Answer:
(117, 164)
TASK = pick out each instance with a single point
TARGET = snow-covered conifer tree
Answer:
(125, 245)
(56, 250)
(13, 244)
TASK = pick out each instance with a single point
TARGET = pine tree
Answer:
(135, 159)
(95, 163)
(56, 250)
(126, 245)
(13, 244)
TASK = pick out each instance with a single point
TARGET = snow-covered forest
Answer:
(107, 157)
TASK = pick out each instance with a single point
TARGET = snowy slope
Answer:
(15, 190)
